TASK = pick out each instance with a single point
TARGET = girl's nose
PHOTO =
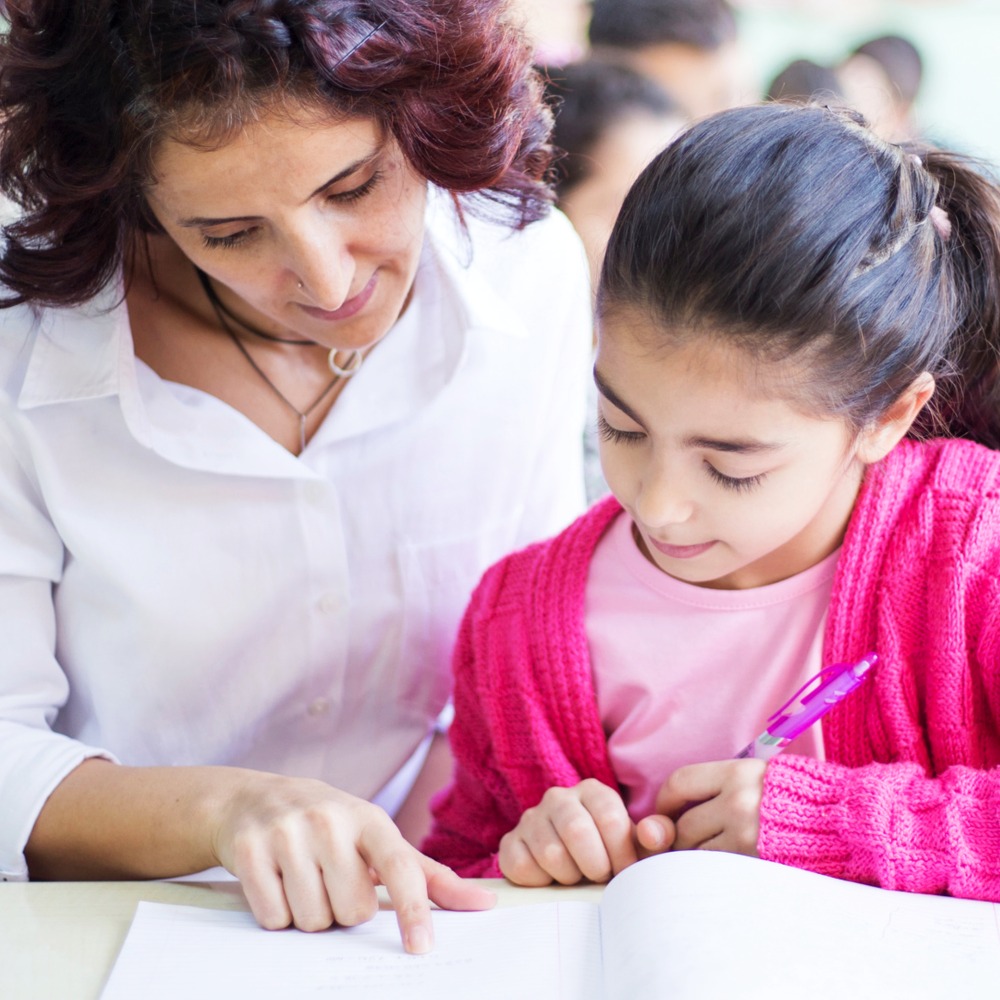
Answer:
(663, 501)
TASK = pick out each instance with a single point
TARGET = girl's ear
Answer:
(877, 440)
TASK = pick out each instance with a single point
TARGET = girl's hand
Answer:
(715, 806)
(310, 855)
(574, 833)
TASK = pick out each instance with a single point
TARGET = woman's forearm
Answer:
(108, 821)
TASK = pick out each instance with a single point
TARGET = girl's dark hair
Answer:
(89, 87)
(803, 237)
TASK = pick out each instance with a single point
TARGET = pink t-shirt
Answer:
(686, 674)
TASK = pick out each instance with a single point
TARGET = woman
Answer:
(272, 398)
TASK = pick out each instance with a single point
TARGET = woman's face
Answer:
(315, 225)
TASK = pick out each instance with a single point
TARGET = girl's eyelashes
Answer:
(743, 485)
(613, 434)
(341, 198)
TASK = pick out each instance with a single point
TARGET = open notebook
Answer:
(685, 926)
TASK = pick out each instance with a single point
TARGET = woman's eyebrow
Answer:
(198, 221)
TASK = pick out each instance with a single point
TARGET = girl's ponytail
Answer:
(968, 405)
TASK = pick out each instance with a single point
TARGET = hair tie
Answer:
(940, 222)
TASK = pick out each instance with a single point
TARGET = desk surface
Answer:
(59, 940)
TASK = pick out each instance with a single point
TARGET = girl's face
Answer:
(728, 486)
(317, 226)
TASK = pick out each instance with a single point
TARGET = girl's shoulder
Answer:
(930, 499)
(942, 466)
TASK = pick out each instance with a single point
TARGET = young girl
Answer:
(783, 295)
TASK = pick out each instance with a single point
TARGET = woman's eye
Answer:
(360, 191)
(737, 485)
(613, 434)
(231, 240)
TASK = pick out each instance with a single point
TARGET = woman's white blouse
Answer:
(176, 588)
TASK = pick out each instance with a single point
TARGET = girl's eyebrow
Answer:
(198, 221)
(612, 397)
(742, 446)
(745, 446)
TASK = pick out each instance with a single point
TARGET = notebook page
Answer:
(702, 924)
(545, 951)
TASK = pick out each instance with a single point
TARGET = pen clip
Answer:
(819, 680)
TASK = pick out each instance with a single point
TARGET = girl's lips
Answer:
(349, 308)
(680, 551)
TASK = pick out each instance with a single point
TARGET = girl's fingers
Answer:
(518, 864)
(552, 855)
(655, 835)
(690, 784)
(698, 824)
(613, 825)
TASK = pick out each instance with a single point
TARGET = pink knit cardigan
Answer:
(909, 795)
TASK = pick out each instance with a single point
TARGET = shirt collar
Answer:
(79, 353)
(86, 352)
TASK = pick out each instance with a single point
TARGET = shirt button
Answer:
(320, 706)
(328, 604)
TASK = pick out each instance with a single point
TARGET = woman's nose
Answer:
(324, 267)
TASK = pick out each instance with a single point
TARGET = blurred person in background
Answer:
(803, 81)
(881, 78)
(690, 47)
(558, 29)
(610, 121)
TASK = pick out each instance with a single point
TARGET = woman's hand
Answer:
(575, 833)
(714, 807)
(310, 855)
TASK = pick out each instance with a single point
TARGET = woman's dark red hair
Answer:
(88, 89)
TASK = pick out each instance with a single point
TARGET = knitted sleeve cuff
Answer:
(886, 824)
(798, 816)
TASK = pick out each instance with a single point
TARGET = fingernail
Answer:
(418, 940)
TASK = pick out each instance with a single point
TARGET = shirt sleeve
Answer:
(33, 687)
(889, 825)
(558, 495)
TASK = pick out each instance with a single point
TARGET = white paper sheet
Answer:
(538, 952)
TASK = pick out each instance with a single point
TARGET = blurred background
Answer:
(623, 76)
(958, 42)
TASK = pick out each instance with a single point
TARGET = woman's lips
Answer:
(680, 551)
(349, 308)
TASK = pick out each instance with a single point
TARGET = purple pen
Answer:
(834, 683)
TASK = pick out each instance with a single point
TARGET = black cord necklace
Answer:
(220, 307)
(302, 415)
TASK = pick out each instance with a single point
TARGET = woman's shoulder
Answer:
(20, 326)
(26, 331)
(542, 252)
